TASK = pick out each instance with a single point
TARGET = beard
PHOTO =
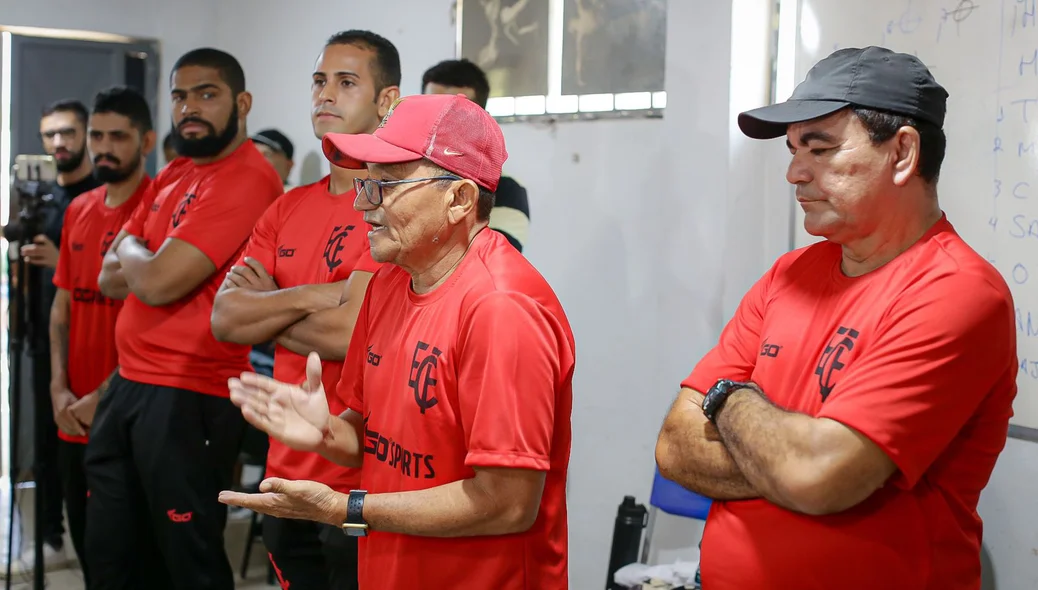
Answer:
(72, 162)
(116, 173)
(212, 143)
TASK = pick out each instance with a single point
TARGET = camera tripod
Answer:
(28, 338)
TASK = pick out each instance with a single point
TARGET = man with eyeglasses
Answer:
(63, 134)
(458, 379)
(301, 281)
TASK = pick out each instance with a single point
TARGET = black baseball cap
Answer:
(873, 77)
(275, 140)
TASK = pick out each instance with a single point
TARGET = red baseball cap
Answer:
(449, 130)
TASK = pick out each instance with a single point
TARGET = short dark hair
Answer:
(126, 102)
(386, 65)
(883, 125)
(228, 67)
(67, 105)
(460, 73)
(486, 196)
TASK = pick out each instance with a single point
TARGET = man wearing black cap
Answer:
(853, 410)
(277, 149)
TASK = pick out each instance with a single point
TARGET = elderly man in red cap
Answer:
(458, 377)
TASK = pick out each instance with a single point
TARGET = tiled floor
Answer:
(70, 578)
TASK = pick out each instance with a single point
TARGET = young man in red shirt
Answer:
(458, 379)
(166, 437)
(857, 401)
(82, 320)
(301, 282)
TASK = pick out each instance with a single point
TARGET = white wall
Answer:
(278, 42)
(179, 26)
(649, 230)
(631, 226)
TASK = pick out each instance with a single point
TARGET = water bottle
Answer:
(631, 518)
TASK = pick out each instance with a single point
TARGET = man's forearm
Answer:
(246, 316)
(133, 260)
(457, 509)
(770, 446)
(111, 281)
(325, 332)
(710, 471)
(59, 342)
(342, 444)
(689, 451)
(103, 388)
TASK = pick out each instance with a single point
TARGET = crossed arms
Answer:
(157, 278)
(931, 362)
(250, 309)
(809, 465)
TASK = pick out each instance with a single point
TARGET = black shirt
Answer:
(53, 219)
(63, 195)
(513, 211)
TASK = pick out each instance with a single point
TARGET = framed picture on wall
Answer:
(508, 39)
(567, 59)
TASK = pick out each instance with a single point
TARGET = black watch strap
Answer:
(354, 525)
(715, 398)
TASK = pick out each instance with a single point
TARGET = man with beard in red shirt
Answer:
(82, 320)
(166, 438)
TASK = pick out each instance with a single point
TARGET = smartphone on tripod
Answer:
(34, 167)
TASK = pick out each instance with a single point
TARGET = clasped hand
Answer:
(251, 276)
(296, 415)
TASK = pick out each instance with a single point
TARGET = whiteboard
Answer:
(985, 53)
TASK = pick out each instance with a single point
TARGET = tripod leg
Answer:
(17, 312)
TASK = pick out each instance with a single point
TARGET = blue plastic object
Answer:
(674, 499)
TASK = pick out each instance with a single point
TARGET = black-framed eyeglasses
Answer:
(66, 133)
(372, 188)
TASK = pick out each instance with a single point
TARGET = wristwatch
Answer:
(354, 524)
(717, 395)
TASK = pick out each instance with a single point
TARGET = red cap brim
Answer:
(348, 150)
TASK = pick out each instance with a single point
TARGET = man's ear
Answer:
(386, 98)
(148, 141)
(907, 154)
(464, 200)
(244, 101)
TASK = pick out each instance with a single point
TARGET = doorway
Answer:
(37, 68)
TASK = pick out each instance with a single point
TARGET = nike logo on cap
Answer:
(450, 152)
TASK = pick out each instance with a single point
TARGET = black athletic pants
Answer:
(157, 459)
(73, 479)
(310, 556)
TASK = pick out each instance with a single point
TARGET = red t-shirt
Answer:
(296, 249)
(477, 373)
(920, 357)
(214, 208)
(86, 234)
